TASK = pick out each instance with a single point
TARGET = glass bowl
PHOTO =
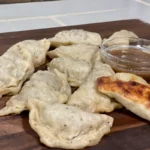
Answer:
(127, 55)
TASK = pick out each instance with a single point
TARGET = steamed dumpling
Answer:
(123, 33)
(37, 49)
(76, 61)
(75, 70)
(18, 63)
(44, 86)
(67, 127)
(75, 36)
(83, 52)
(120, 35)
(14, 69)
(88, 98)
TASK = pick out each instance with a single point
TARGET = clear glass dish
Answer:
(128, 55)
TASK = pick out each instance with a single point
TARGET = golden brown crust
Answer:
(131, 90)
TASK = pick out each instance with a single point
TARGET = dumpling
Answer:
(130, 90)
(67, 127)
(87, 97)
(120, 35)
(123, 33)
(76, 61)
(83, 52)
(37, 49)
(43, 85)
(75, 70)
(18, 62)
(14, 70)
(75, 36)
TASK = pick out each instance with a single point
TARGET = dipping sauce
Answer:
(132, 60)
(127, 54)
(133, 55)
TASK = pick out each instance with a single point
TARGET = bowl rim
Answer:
(112, 57)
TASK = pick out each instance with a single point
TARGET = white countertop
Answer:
(38, 15)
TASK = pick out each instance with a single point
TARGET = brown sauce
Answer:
(132, 55)
(136, 56)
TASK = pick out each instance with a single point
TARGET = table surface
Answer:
(38, 15)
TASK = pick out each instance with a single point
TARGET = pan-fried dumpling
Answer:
(75, 36)
(88, 98)
(75, 70)
(43, 85)
(120, 35)
(76, 51)
(67, 127)
(130, 90)
(18, 62)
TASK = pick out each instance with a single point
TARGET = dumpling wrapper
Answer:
(120, 35)
(14, 70)
(130, 90)
(75, 70)
(67, 127)
(18, 62)
(43, 85)
(83, 52)
(37, 49)
(75, 36)
(76, 61)
(87, 97)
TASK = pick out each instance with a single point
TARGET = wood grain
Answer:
(129, 132)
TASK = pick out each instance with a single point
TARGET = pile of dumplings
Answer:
(62, 118)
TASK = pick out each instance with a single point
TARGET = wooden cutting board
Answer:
(129, 132)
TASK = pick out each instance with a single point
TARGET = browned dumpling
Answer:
(130, 90)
